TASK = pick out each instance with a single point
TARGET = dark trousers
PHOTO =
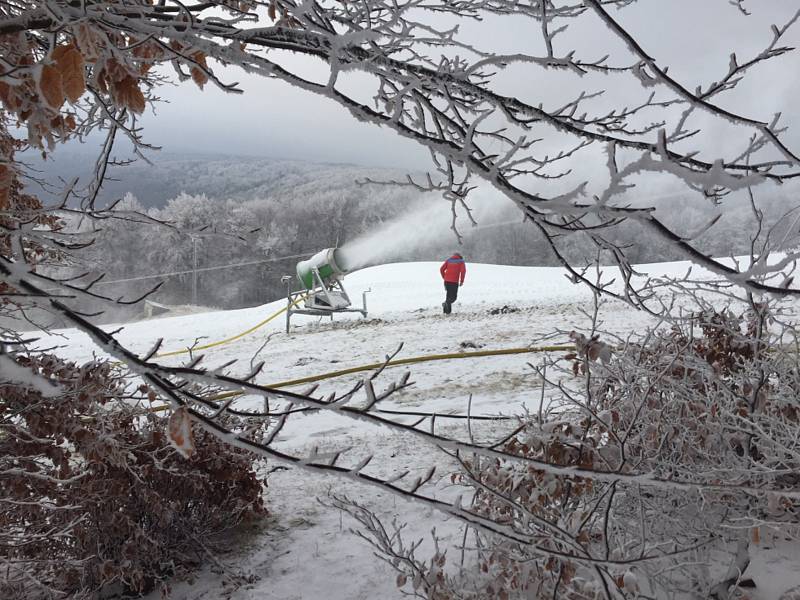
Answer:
(452, 291)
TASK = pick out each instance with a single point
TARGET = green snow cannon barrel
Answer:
(328, 263)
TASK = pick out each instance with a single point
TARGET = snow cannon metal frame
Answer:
(322, 293)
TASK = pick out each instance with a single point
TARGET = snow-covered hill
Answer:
(305, 551)
(395, 291)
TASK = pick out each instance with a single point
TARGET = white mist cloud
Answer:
(425, 225)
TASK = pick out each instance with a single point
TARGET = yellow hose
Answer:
(235, 337)
(391, 363)
(399, 362)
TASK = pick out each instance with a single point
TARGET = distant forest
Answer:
(228, 210)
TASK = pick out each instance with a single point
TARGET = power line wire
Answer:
(215, 268)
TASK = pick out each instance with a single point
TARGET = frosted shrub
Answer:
(687, 447)
(93, 496)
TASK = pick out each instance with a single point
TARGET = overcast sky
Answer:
(693, 37)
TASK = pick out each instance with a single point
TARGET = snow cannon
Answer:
(325, 266)
(322, 293)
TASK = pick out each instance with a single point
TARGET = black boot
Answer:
(446, 306)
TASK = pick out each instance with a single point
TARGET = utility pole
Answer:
(194, 270)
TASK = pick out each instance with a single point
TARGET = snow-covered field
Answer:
(305, 550)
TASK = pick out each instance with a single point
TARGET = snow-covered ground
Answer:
(396, 293)
(305, 550)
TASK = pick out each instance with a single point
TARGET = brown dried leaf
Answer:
(149, 53)
(102, 80)
(50, 86)
(70, 62)
(127, 94)
(89, 41)
(179, 431)
(10, 97)
(198, 75)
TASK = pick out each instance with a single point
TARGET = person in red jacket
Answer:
(453, 271)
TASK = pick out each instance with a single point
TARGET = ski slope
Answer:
(404, 304)
(305, 550)
(393, 290)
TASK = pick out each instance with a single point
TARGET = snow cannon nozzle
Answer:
(326, 264)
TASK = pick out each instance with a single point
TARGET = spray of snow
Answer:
(426, 224)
